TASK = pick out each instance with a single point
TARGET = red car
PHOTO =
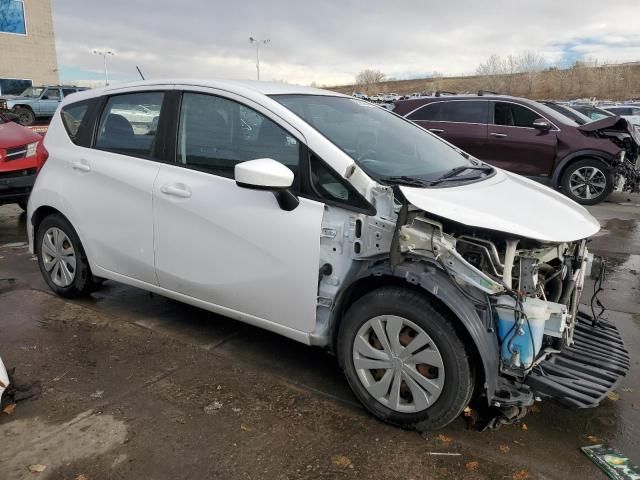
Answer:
(21, 157)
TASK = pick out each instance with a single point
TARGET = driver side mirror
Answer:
(267, 174)
(542, 125)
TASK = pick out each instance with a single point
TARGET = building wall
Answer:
(31, 56)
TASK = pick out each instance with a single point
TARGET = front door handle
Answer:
(436, 130)
(81, 166)
(498, 135)
(176, 190)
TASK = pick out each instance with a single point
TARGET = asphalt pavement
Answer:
(135, 385)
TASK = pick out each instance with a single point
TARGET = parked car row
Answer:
(21, 157)
(36, 102)
(585, 160)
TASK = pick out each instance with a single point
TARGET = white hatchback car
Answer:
(434, 277)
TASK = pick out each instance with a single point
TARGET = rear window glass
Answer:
(72, 116)
(129, 122)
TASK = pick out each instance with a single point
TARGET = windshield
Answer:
(32, 92)
(555, 115)
(381, 143)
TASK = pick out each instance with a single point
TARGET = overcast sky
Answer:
(330, 41)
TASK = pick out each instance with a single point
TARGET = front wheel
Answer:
(587, 181)
(26, 116)
(404, 360)
(61, 258)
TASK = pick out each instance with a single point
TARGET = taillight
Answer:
(41, 154)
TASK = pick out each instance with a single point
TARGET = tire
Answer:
(587, 181)
(23, 205)
(27, 117)
(74, 278)
(449, 365)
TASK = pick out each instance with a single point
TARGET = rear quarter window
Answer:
(72, 117)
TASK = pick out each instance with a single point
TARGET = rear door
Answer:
(461, 122)
(513, 143)
(110, 192)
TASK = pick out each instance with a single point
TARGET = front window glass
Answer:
(32, 92)
(51, 94)
(383, 144)
(129, 122)
(512, 115)
(12, 17)
(215, 134)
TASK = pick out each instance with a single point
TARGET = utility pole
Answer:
(104, 54)
(257, 44)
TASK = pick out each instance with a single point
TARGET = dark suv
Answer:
(527, 138)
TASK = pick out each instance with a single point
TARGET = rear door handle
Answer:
(81, 166)
(436, 130)
(176, 190)
(498, 135)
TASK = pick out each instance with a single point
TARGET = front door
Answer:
(230, 246)
(49, 102)
(513, 143)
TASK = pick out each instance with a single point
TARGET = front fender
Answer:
(477, 321)
(605, 157)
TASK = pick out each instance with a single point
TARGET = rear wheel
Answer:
(61, 258)
(26, 116)
(404, 360)
(587, 181)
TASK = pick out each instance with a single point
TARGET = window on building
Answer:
(13, 86)
(12, 17)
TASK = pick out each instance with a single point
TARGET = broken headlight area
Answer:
(547, 347)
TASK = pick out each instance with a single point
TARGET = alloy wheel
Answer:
(398, 363)
(58, 257)
(588, 182)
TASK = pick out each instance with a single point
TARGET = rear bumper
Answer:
(582, 375)
(16, 186)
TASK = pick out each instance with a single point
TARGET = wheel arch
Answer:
(562, 166)
(435, 285)
(23, 105)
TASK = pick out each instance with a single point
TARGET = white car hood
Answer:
(508, 203)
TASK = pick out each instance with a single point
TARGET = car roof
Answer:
(403, 107)
(238, 86)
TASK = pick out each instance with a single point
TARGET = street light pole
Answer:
(257, 43)
(104, 54)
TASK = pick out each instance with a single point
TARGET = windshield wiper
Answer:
(408, 181)
(454, 172)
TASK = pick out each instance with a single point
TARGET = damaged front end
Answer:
(623, 134)
(530, 291)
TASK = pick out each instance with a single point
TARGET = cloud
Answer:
(328, 42)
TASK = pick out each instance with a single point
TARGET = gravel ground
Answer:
(138, 386)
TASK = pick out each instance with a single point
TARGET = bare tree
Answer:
(369, 77)
(531, 64)
(510, 70)
(491, 71)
